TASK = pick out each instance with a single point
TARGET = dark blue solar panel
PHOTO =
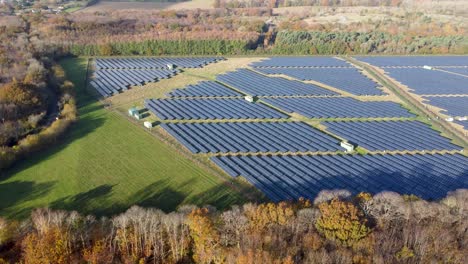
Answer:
(204, 89)
(452, 105)
(391, 135)
(429, 176)
(430, 82)
(462, 71)
(464, 123)
(346, 79)
(306, 61)
(338, 107)
(240, 137)
(219, 108)
(385, 61)
(154, 63)
(109, 82)
(257, 84)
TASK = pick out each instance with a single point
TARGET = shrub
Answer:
(342, 222)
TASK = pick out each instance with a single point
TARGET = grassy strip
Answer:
(106, 164)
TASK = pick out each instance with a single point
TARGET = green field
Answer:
(106, 164)
(73, 9)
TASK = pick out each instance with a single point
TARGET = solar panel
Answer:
(204, 89)
(209, 109)
(257, 84)
(154, 63)
(243, 137)
(452, 105)
(305, 61)
(284, 177)
(339, 107)
(430, 82)
(391, 135)
(346, 79)
(415, 61)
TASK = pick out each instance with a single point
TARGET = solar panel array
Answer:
(257, 84)
(419, 61)
(114, 75)
(453, 105)
(463, 71)
(391, 135)
(464, 123)
(111, 82)
(301, 62)
(281, 176)
(247, 137)
(291, 177)
(154, 63)
(346, 79)
(213, 108)
(430, 82)
(204, 89)
(338, 107)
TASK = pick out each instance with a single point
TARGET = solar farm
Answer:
(294, 126)
(437, 81)
(113, 76)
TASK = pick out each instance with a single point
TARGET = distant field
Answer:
(110, 6)
(106, 164)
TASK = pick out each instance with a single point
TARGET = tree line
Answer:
(240, 31)
(36, 100)
(335, 228)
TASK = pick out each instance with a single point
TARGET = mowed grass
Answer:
(106, 164)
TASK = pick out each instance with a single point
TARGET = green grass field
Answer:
(73, 9)
(105, 164)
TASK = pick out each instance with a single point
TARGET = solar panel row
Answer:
(464, 123)
(339, 107)
(346, 79)
(203, 89)
(290, 177)
(463, 71)
(154, 63)
(110, 82)
(391, 135)
(213, 108)
(384, 61)
(305, 61)
(257, 84)
(246, 137)
(430, 82)
(453, 105)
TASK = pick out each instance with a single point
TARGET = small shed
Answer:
(250, 98)
(427, 67)
(148, 124)
(132, 111)
(138, 116)
(347, 146)
(171, 66)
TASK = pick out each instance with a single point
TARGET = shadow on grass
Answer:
(156, 195)
(12, 193)
(89, 202)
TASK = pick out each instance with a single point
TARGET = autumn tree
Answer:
(342, 222)
(205, 237)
